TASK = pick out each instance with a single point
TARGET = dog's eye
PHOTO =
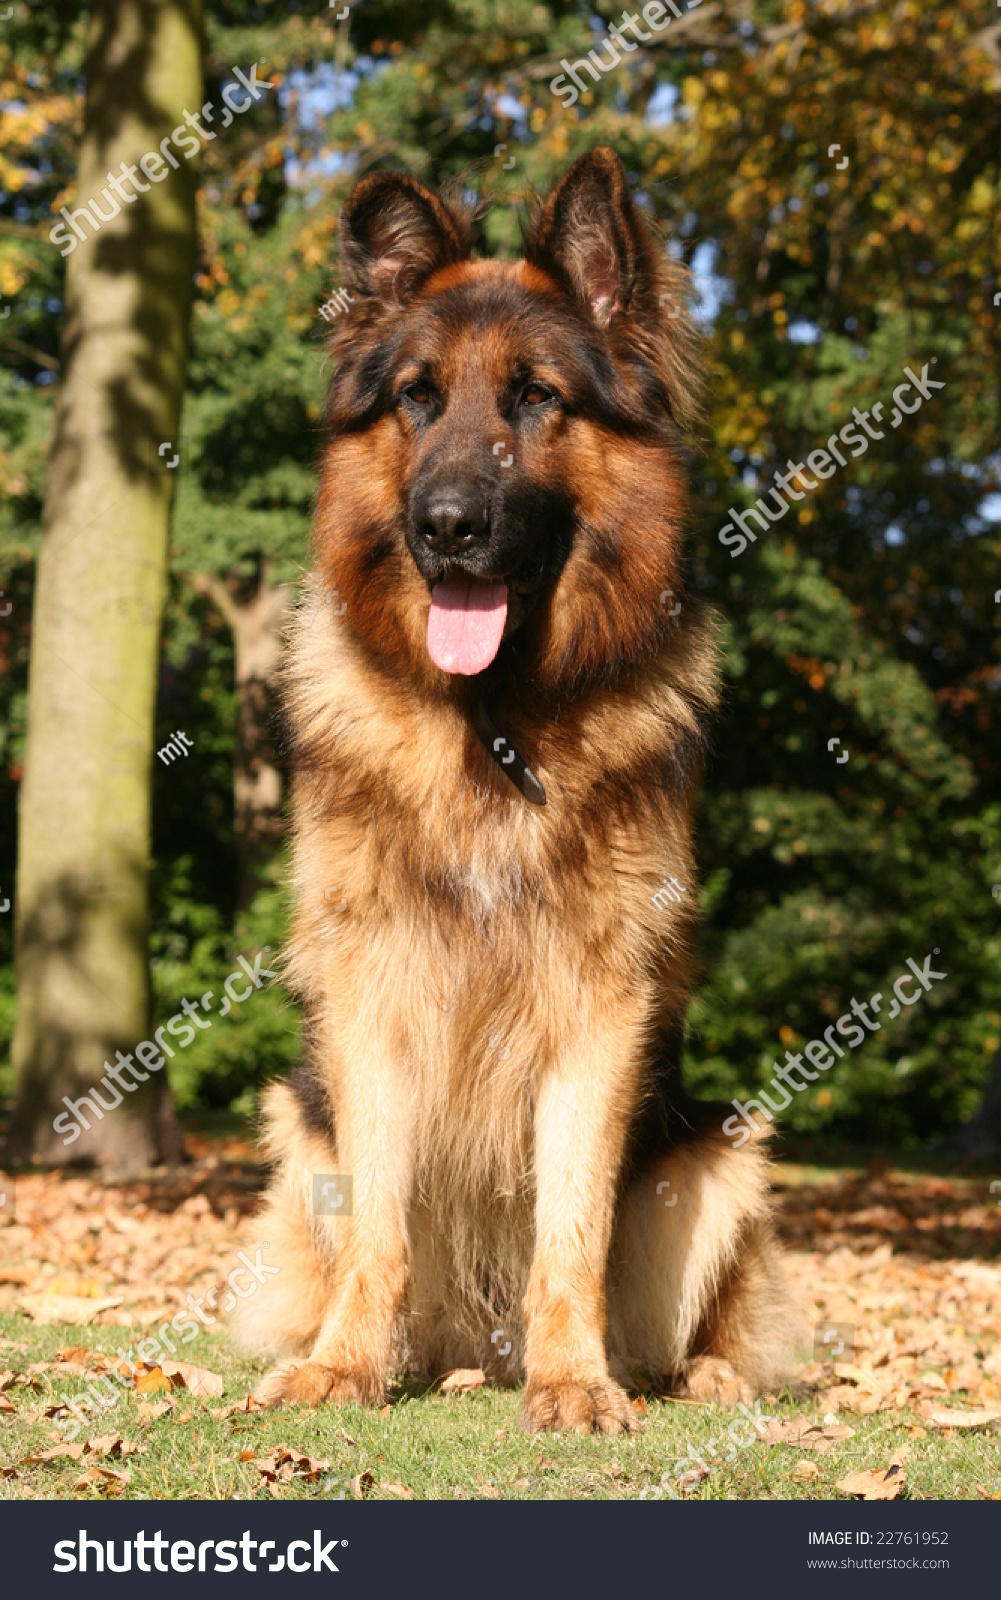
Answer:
(536, 395)
(420, 393)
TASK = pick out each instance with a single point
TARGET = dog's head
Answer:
(503, 492)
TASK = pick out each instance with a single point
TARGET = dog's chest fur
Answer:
(481, 939)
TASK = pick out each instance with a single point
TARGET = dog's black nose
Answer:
(452, 519)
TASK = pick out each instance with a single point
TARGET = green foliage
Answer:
(194, 952)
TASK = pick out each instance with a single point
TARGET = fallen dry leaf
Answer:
(153, 1381)
(103, 1478)
(87, 1288)
(461, 1380)
(285, 1464)
(804, 1434)
(70, 1308)
(857, 1375)
(5, 1404)
(78, 1353)
(248, 1403)
(862, 1391)
(150, 1410)
(108, 1444)
(74, 1451)
(385, 1411)
(199, 1382)
(640, 1405)
(806, 1469)
(399, 1489)
(690, 1480)
(362, 1484)
(76, 1361)
(981, 1418)
(16, 1275)
(112, 1444)
(875, 1485)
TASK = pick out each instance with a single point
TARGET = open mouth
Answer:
(466, 622)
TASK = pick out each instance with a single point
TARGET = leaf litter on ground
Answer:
(911, 1263)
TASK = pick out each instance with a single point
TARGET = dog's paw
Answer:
(309, 1383)
(712, 1378)
(271, 1389)
(600, 1406)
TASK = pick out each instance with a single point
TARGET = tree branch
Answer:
(213, 588)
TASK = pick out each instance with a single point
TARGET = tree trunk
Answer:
(980, 1138)
(84, 836)
(256, 628)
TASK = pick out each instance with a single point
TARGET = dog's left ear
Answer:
(589, 236)
(395, 232)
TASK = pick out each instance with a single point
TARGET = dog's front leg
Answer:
(375, 1146)
(580, 1128)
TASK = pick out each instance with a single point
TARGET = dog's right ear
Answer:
(394, 233)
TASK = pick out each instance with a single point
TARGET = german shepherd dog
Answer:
(497, 723)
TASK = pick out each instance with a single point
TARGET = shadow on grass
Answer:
(833, 1196)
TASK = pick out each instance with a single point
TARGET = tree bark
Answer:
(84, 835)
(256, 626)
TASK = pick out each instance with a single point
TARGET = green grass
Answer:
(469, 1446)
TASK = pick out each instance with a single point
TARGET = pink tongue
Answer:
(466, 623)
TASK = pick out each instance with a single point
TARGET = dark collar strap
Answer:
(506, 757)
